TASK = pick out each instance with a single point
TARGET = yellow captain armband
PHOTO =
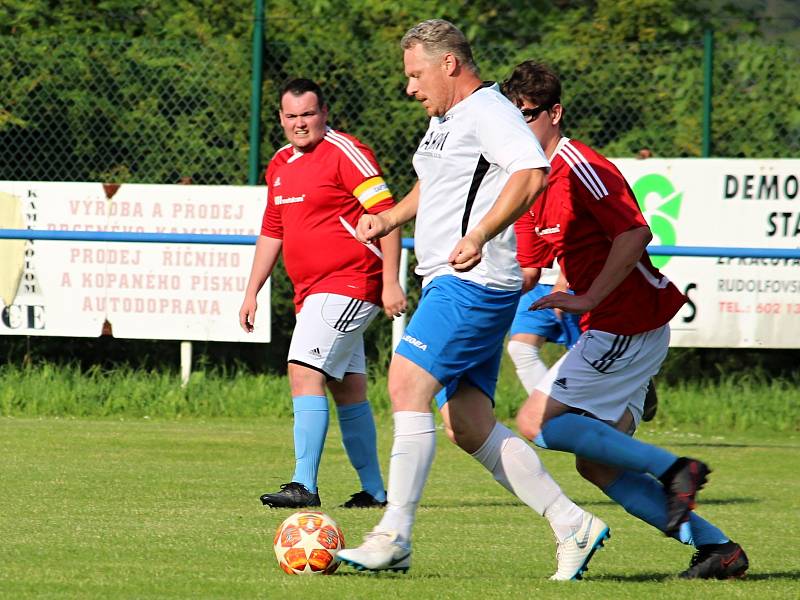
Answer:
(372, 191)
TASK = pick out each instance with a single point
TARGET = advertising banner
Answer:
(193, 291)
(735, 203)
(142, 290)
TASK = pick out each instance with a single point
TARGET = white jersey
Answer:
(549, 276)
(463, 163)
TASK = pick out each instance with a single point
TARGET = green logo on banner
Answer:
(660, 202)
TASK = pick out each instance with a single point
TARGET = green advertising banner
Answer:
(735, 203)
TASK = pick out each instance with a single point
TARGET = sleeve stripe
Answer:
(651, 279)
(377, 198)
(587, 166)
(352, 152)
(580, 175)
(584, 170)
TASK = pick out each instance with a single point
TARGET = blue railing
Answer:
(408, 243)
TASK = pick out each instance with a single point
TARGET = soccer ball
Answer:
(307, 542)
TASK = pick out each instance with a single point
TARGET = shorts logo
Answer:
(315, 353)
(415, 342)
(562, 383)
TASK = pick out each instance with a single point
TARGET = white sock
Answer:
(517, 467)
(412, 454)
(530, 368)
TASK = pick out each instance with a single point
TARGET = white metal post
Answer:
(186, 362)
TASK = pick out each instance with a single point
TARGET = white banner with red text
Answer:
(167, 291)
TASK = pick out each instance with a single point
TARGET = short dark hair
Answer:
(534, 82)
(298, 87)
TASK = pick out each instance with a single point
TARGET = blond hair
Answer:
(439, 37)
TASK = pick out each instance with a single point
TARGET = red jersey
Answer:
(314, 201)
(587, 203)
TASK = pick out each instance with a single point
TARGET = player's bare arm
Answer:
(392, 297)
(266, 255)
(626, 250)
(530, 277)
(517, 196)
(371, 227)
(560, 285)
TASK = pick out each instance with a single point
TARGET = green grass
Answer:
(737, 402)
(148, 508)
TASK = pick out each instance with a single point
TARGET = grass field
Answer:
(143, 508)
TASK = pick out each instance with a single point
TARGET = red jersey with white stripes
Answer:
(588, 203)
(314, 201)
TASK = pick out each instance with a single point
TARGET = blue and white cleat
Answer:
(381, 551)
(576, 551)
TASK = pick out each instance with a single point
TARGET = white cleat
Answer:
(381, 551)
(576, 551)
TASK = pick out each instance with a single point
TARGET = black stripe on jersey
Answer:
(477, 178)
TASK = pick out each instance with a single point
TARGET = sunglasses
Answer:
(531, 114)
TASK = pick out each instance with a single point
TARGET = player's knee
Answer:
(600, 475)
(527, 423)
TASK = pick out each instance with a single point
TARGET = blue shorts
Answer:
(457, 332)
(544, 322)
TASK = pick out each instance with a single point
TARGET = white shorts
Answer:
(605, 374)
(329, 334)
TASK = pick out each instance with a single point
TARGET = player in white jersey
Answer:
(479, 168)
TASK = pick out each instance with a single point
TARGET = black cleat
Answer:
(363, 499)
(650, 402)
(717, 561)
(292, 495)
(681, 482)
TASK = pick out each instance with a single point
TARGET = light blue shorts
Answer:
(457, 332)
(544, 322)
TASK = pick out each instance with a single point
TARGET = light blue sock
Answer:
(310, 429)
(597, 441)
(643, 497)
(359, 440)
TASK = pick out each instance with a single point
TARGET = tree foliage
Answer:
(151, 91)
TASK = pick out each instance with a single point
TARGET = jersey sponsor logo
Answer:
(433, 143)
(540, 231)
(660, 204)
(277, 182)
(415, 342)
(562, 383)
(289, 199)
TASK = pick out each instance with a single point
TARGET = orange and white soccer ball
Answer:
(307, 542)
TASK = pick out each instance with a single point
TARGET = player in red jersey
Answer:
(319, 185)
(588, 219)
